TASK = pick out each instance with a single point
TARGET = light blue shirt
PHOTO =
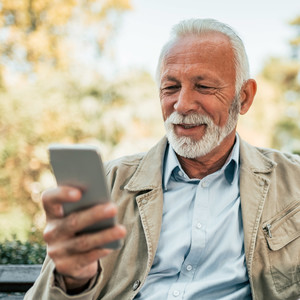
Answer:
(200, 254)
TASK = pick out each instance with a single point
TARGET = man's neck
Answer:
(202, 166)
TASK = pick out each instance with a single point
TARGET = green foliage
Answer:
(51, 92)
(283, 72)
(15, 224)
(36, 33)
(43, 46)
(285, 133)
(284, 75)
(59, 108)
(32, 117)
(17, 252)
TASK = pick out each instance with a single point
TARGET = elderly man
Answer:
(207, 215)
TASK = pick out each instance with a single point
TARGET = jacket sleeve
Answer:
(44, 287)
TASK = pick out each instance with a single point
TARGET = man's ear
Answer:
(247, 94)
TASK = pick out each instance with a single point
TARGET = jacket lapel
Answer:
(255, 174)
(147, 184)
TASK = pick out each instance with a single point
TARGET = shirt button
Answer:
(204, 184)
(189, 267)
(136, 285)
(180, 173)
(199, 225)
(176, 293)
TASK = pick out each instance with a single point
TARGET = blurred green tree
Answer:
(33, 116)
(284, 73)
(42, 100)
(122, 112)
(39, 33)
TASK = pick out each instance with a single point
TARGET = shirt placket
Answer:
(198, 242)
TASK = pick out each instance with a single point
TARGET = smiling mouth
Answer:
(188, 126)
(192, 130)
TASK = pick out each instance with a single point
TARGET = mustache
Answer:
(190, 119)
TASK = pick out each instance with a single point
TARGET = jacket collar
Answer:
(230, 167)
(254, 160)
(148, 175)
(149, 172)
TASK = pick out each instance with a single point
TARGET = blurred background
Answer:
(82, 71)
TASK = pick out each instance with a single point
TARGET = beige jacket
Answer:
(270, 196)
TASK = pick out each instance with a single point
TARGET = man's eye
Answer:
(205, 87)
(171, 87)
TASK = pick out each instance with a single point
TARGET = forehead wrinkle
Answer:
(170, 78)
(180, 58)
(202, 75)
(188, 50)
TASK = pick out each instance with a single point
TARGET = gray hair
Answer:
(200, 27)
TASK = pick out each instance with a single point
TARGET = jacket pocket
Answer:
(282, 234)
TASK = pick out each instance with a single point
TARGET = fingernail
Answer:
(60, 211)
(122, 227)
(73, 194)
(109, 208)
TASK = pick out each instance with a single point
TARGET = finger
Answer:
(78, 221)
(53, 198)
(67, 227)
(86, 242)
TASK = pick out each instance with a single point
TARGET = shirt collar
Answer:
(230, 168)
(232, 165)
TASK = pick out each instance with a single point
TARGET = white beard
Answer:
(213, 136)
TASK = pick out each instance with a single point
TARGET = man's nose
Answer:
(186, 101)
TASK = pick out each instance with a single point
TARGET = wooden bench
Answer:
(15, 280)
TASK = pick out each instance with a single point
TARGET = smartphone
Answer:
(81, 166)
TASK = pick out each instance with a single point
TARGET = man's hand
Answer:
(76, 256)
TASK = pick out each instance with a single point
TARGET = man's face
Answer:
(197, 94)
